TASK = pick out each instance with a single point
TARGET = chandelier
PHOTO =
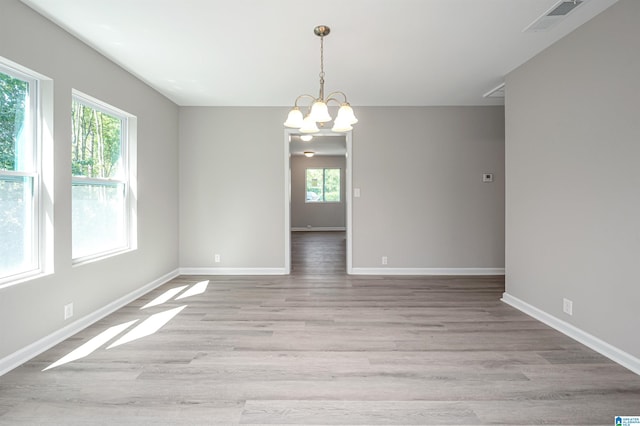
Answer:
(318, 111)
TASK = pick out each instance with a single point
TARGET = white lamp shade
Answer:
(306, 138)
(309, 125)
(320, 112)
(345, 113)
(309, 154)
(341, 126)
(294, 119)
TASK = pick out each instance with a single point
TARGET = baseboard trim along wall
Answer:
(614, 354)
(319, 228)
(427, 271)
(232, 271)
(23, 355)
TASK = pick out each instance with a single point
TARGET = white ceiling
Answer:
(321, 144)
(264, 53)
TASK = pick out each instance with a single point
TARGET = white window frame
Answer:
(324, 171)
(127, 154)
(37, 236)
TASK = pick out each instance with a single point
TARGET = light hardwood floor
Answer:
(321, 347)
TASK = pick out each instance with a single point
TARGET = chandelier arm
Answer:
(313, 98)
(334, 100)
(331, 98)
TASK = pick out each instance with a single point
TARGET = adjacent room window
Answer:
(101, 207)
(322, 185)
(20, 172)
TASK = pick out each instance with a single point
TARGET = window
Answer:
(20, 210)
(101, 206)
(323, 185)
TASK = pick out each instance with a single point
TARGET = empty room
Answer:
(363, 212)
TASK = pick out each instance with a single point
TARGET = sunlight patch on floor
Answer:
(198, 288)
(164, 297)
(148, 327)
(92, 344)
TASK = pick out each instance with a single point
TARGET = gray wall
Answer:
(572, 150)
(32, 310)
(232, 187)
(423, 201)
(316, 215)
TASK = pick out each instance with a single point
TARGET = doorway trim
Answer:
(348, 196)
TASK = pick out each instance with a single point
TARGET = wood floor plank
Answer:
(321, 347)
(331, 412)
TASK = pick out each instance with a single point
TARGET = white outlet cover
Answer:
(68, 311)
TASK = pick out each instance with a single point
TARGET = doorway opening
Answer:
(318, 253)
(324, 143)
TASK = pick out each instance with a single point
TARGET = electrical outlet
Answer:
(68, 311)
(384, 260)
(567, 306)
(216, 258)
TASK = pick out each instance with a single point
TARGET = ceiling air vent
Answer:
(554, 15)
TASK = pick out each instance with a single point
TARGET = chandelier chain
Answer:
(322, 67)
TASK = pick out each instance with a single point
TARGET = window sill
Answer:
(100, 256)
(23, 277)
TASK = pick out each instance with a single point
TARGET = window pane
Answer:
(323, 185)
(314, 185)
(98, 218)
(96, 148)
(16, 143)
(332, 185)
(17, 252)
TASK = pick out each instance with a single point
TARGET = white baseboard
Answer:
(427, 271)
(23, 355)
(614, 354)
(232, 271)
(319, 228)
